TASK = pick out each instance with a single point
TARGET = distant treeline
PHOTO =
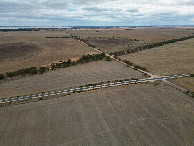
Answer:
(62, 64)
(149, 46)
(60, 37)
(91, 27)
(20, 29)
(32, 29)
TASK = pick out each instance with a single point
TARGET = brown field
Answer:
(117, 39)
(147, 35)
(130, 115)
(114, 44)
(52, 49)
(93, 72)
(140, 114)
(12, 51)
(187, 83)
(176, 58)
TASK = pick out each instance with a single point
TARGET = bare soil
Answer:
(170, 59)
(130, 115)
(12, 51)
(93, 72)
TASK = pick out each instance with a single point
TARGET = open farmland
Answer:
(170, 59)
(112, 39)
(52, 49)
(114, 44)
(12, 51)
(147, 35)
(130, 115)
(93, 72)
(187, 83)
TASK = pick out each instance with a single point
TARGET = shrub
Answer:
(191, 75)
(24, 71)
(192, 94)
(108, 58)
(11, 74)
(41, 70)
(128, 62)
(52, 66)
(134, 79)
(2, 77)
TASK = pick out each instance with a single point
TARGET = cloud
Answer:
(96, 9)
(133, 10)
(92, 12)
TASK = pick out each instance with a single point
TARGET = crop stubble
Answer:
(52, 49)
(147, 35)
(130, 115)
(187, 83)
(119, 39)
(170, 59)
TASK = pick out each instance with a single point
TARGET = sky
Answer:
(96, 12)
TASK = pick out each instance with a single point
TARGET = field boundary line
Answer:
(177, 87)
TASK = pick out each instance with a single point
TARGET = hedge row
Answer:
(149, 46)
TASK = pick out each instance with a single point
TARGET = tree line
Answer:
(149, 46)
(63, 64)
(82, 60)
(135, 66)
(24, 72)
